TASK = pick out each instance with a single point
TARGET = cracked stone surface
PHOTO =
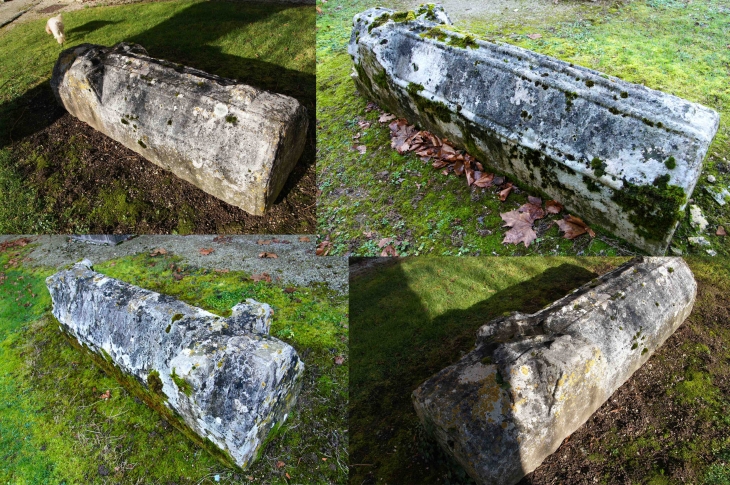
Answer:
(532, 380)
(619, 155)
(235, 142)
(225, 378)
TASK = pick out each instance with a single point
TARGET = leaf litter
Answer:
(444, 155)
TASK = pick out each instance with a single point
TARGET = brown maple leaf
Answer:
(533, 208)
(521, 228)
(401, 133)
(573, 227)
(304, 239)
(721, 231)
(263, 242)
(206, 251)
(553, 207)
(158, 251)
(386, 117)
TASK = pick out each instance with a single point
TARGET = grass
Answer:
(55, 428)
(415, 317)
(675, 46)
(268, 46)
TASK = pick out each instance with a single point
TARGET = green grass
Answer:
(415, 317)
(54, 428)
(265, 45)
(677, 47)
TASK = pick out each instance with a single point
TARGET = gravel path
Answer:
(296, 263)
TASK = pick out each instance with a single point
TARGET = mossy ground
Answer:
(675, 46)
(267, 46)
(412, 318)
(55, 428)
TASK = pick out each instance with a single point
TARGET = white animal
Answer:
(55, 26)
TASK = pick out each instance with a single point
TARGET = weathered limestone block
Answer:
(234, 141)
(620, 155)
(223, 381)
(532, 380)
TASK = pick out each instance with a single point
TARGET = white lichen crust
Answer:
(225, 378)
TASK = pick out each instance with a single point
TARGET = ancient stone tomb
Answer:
(619, 155)
(532, 380)
(224, 382)
(234, 141)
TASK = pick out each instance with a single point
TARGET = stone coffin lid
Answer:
(621, 155)
(532, 380)
(234, 141)
(223, 381)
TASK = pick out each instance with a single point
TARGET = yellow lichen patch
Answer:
(525, 370)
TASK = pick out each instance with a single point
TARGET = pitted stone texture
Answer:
(620, 155)
(240, 381)
(234, 141)
(532, 380)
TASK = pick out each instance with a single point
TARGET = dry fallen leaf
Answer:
(521, 228)
(289, 290)
(303, 239)
(261, 277)
(534, 36)
(222, 239)
(280, 464)
(206, 251)
(386, 117)
(158, 251)
(533, 208)
(573, 227)
(106, 395)
(319, 10)
(505, 192)
(721, 231)
(361, 148)
(339, 360)
(553, 207)
(323, 248)
(268, 255)
(288, 476)
(263, 242)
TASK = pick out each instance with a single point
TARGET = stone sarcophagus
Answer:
(532, 380)
(619, 155)
(224, 382)
(234, 141)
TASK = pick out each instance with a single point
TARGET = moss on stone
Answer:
(378, 22)
(653, 209)
(435, 33)
(181, 383)
(569, 98)
(433, 109)
(413, 89)
(670, 163)
(598, 166)
(464, 42)
(154, 382)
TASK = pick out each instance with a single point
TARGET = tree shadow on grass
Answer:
(394, 351)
